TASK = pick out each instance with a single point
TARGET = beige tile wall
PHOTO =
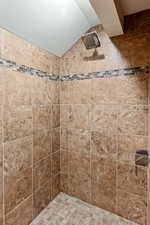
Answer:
(29, 133)
(104, 121)
(98, 143)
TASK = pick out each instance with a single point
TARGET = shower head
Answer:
(91, 40)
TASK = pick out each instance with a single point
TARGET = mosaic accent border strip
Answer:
(109, 73)
(7, 64)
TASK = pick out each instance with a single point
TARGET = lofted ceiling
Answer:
(55, 25)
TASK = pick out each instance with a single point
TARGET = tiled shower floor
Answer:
(66, 210)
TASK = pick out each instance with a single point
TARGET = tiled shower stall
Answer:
(73, 124)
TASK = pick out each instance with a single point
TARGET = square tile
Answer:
(133, 122)
(41, 173)
(17, 156)
(17, 88)
(42, 142)
(21, 188)
(55, 140)
(21, 214)
(132, 207)
(42, 117)
(132, 179)
(17, 122)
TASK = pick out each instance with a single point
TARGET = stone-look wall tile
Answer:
(148, 212)
(1, 184)
(79, 176)
(42, 117)
(41, 173)
(132, 207)
(41, 144)
(79, 141)
(55, 116)
(104, 91)
(17, 156)
(79, 116)
(17, 88)
(55, 140)
(75, 116)
(104, 198)
(103, 172)
(2, 72)
(132, 179)
(79, 92)
(53, 92)
(132, 90)
(64, 90)
(135, 53)
(1, 124)
(21, 215)
(65, 111)
(103, 119)
(40, 93)
(17, 122)
(64, 183)
(127, 146)
(41, 198)
(148, 195)
(16, 49)
(79, 165)
(64, 160)
(80, 188)
(55, 185)
(17, 188)
(42, 59)
(117, 121)
(56, 163)
(104, 183)
(133, 122)
(23, 83)
(64, 139)
(103, 146)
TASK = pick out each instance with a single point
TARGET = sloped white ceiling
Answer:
(133, 6)
(88, 11)
(54, 25)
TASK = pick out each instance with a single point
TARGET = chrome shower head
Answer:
(91, 40)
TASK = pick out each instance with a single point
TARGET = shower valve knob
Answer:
(142, 158)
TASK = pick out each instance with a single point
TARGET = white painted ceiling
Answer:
(54, 25)
(87, 9)
(133, 6)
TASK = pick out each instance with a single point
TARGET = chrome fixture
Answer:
(91, 40)
(142, 158)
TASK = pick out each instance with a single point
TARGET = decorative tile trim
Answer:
(109, 73)
(7, 64)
